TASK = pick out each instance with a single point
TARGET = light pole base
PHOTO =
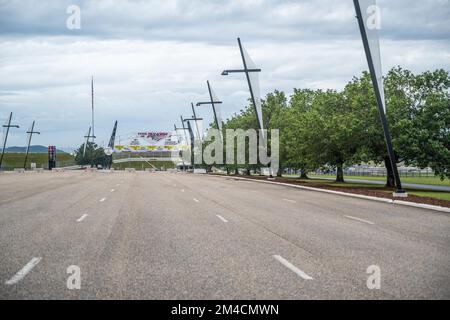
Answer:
(400, 194)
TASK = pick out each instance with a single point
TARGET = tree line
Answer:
(333, 129)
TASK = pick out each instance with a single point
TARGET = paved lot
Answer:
(183, 236)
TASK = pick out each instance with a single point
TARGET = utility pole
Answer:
(7, 126)
(30, 135)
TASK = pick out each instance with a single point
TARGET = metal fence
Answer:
(381, 172)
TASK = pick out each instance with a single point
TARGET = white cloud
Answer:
(150, 59)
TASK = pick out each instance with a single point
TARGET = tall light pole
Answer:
(7, 126)
(372, 53)
(250, 69)
(30, 135)
(92, 107)
(196, 123)
(184, 128)
(255, 100)
(176, 132)
(191, 134)
(213, 102)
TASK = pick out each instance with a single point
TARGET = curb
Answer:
(385, 200)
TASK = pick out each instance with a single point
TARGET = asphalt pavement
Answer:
(167, 235)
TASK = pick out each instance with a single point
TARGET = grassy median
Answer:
(436, 181)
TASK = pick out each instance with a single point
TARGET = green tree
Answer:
(417, 114)
(331, 132)
(274, 108)
(292, 137)
(424, 137)
(93, 156)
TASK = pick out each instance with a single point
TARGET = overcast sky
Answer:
(150, 59)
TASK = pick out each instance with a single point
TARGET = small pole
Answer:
(7, 126)
(31, 132)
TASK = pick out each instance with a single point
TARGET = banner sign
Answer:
(148, 141)
(371, 17)
(156, 136)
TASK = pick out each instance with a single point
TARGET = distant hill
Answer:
(33, 149)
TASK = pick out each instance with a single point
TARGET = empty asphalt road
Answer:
(182, 236)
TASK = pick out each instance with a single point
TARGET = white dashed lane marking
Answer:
(291, 267)
(222, 218)
(24, 271)
(82, 217)
(359, 219)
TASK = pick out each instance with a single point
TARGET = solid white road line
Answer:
(82, 217)
(222, 218)
(102, 199)
(359, 219)
(291, 201)
(23, 272)
(196, 200)
(293, 268)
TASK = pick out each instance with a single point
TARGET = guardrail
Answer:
(380, 173)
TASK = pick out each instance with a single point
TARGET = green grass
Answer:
(15, 160)
(441, 195)
(416, 180)
(432, 194)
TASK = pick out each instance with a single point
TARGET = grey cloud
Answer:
(151, 58)
(218, 21)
